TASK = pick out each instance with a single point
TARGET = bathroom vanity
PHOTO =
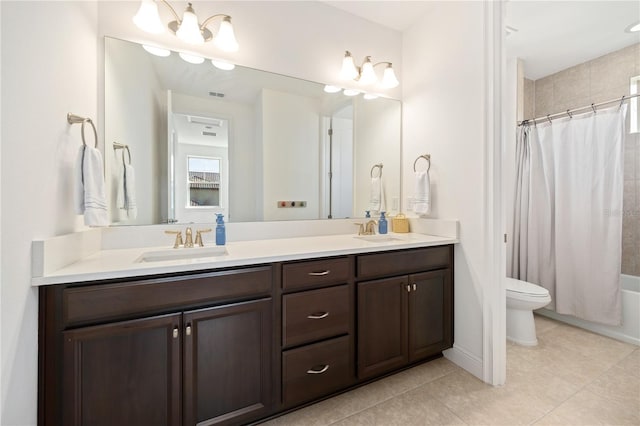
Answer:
(226, 344)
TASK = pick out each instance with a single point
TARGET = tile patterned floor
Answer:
(573, 377)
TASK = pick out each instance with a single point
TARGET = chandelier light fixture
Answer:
(365, 74)
(187, 29)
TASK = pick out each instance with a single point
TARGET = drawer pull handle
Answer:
(318, 315)
(175, 332)
(322, 370)
(414, 287)
(189, 330)
(320, 274)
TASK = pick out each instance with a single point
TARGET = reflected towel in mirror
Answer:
(126, 193)
(376, 198)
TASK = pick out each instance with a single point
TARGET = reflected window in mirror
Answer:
(203, 181)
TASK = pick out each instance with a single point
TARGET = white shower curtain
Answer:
(567, 224)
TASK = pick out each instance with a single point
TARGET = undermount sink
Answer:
(182, 254)
(379, 238)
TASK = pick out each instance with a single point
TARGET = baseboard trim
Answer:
(465, 359)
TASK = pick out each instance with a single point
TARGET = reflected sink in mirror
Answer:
(182, 254)
(379, 238)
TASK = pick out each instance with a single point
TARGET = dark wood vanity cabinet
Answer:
(237, 345)
(317, 329)
(208, 360)
(406, 318)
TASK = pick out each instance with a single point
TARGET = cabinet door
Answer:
(125, 373)
(382, 326)
(227, 363)
(430, 314)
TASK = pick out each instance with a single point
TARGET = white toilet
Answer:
(522, 299)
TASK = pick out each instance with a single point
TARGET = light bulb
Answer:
(351, 92)
(189, 30)
(331, 89)
(370, 96)
(349, 70)
(226, 39)
(158, 51)
(367, 75)
(226, 66)
(147, 18)
(634, 28)
(192, 59)
(389, 80)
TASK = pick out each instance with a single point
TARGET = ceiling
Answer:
(555, 35)
(551, 35)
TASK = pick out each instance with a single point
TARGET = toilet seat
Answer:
(520, 289)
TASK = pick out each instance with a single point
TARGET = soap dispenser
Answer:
(382, 224)
(221, 237)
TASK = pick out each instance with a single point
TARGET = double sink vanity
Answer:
(237, 334)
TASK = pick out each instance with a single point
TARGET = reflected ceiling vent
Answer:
(216, 94)
(210, 122)
(207, 133)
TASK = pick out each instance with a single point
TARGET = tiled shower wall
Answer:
(604, 78)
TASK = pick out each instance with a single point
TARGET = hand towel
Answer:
(376, 198)
(422, 196)
(129, 185)
(90, 194)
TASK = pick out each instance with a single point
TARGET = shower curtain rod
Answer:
(570, 112)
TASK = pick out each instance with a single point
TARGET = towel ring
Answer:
(117, 145)
(74, 119)
(378, 166)
(426, 157)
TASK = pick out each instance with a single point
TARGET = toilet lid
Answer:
(523, 287)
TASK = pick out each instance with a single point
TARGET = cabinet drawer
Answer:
(82, 305)
(308, 274)
(315, 370)
(314, 315)
(403, 262)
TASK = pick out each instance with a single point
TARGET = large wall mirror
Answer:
(249, 144)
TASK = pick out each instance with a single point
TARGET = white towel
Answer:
(422, 196)
(126, 194)
(90, 194)
(376, 198)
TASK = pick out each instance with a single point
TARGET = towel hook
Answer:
(569, 113)
(593, 107)
(74, 119)
(378, 166)
(549, 118)
(426, 157)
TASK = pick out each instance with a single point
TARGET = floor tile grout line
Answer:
(391, 397)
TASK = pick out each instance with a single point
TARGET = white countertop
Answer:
(122, 263)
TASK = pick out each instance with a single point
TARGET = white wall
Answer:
(287, 118)
(137, 116)
(57, 68)
(443, 100)
(52, 72)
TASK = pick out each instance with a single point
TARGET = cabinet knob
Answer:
(323, 369)
(188, 330)
(320, 274)
(175, 332)
(414, 287)
(318, 315)
(408, 288)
